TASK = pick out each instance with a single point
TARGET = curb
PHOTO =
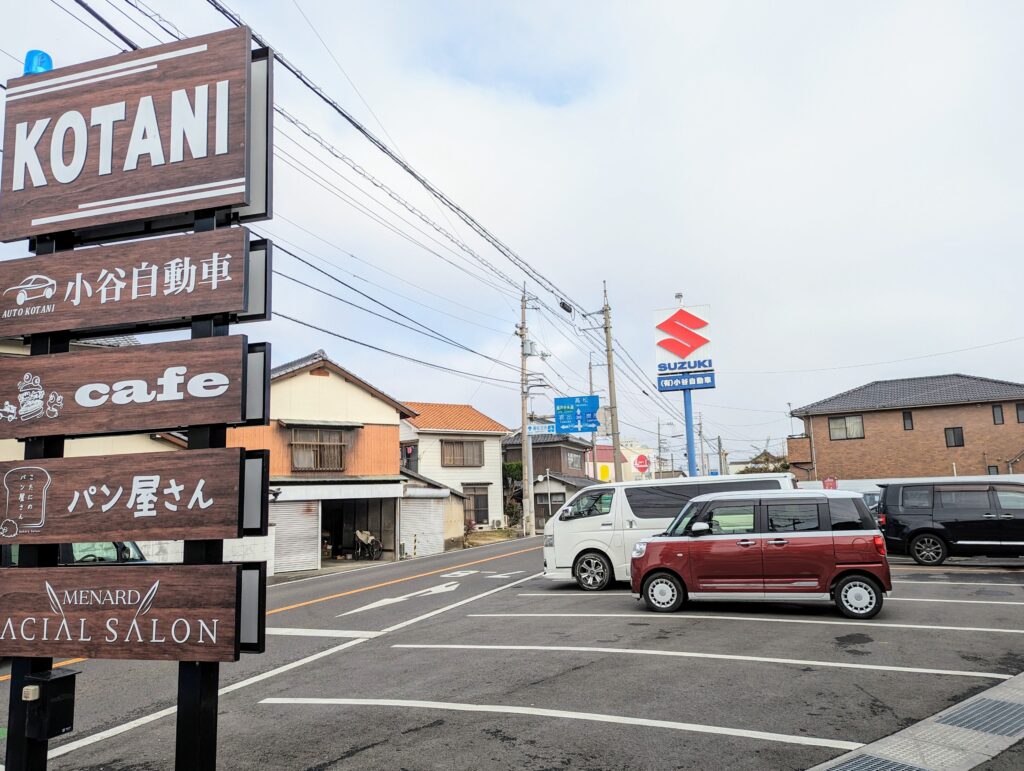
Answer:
(959, 738)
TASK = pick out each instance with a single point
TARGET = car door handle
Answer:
(778, 542)
(606, 524)
(1008, 516)
(746, 542)
(989, 516)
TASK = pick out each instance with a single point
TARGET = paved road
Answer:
(469, 661)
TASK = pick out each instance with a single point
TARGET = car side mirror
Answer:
(700, 528)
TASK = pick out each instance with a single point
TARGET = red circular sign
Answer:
(642, 463)
(830, 483)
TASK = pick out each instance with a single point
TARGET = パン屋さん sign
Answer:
(149, 387)
(144, 612)
(150, 496)
(141, 135)
(122, 286)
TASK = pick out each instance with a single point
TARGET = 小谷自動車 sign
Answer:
(140, 135)
(149, 388)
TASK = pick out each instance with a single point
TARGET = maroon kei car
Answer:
(775, 545)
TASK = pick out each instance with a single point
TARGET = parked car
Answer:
(785, 545)
(953, 516)
(592, 536)
(96, 553)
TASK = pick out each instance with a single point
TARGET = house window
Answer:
(1020, 412)
(574, 460)
(997, 414)
(908, 420)
(476, 503)
(993, 469)
(317, 449)
(954, 437)
(849, 427)
(462, 453)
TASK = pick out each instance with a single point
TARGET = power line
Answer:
(124, 13)
(87, 25)
(96, 15)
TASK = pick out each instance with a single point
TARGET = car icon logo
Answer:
(33, 288)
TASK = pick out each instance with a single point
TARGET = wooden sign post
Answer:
(167, 139)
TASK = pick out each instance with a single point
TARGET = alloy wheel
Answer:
(928, 549)
(591, 571)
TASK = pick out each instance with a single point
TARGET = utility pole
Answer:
(703, 453)
(525, 442)
(613, 410)
(722, 469)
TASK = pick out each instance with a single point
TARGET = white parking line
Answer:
(959, 583)
(504, 709)
(687, 616)
(722, 656)
(286, 631)
(573, 594)
(965, 602)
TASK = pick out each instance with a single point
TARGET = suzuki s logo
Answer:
(684, 341)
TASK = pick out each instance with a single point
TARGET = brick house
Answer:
(923, 426)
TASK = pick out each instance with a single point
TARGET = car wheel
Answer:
(663, 593)
(593, 572)
(858, 597)
(928, 549)
(21, 297)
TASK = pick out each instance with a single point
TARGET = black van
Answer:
(953, 517)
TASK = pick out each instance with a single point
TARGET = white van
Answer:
(591, 538)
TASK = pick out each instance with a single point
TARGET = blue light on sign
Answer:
(686, 382)
(37, 61)
(576, 414)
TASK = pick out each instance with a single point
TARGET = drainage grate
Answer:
(872, 763)
(991, 716)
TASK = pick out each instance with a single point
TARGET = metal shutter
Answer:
(424, 519)
(297, 535)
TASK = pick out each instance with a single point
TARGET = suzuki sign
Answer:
(684, 359)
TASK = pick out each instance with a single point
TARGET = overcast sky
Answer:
(840, 182)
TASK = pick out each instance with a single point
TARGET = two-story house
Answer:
(942, 425)
(334, 463)
(558, 469)
(458, 446)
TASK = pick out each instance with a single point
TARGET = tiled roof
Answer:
(575, 481)
(513, 440)
(932, 391)
(319, 356)
(434, 416)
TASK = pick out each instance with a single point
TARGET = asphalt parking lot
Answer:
(468, 666)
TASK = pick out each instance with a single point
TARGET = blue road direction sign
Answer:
(691, 381)
(540, 428)
(576, 414)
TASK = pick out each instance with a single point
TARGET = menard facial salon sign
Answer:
(144, 134)
(145, 612)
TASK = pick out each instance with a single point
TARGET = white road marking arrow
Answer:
(451, 586)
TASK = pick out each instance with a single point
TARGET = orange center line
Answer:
(329, 597)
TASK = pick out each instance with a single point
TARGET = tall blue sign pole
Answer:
(691, 455)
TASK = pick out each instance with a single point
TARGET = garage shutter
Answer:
(297, 535)
(424, 519)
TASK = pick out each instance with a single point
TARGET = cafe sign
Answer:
(150, 387)
(137, 136)
(143, 612)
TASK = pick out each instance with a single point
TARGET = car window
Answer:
(591, 504)
(846, 514)
(917, 498)
(101, 551)
(1010, 498)
(730, 518)
(792, 517)
(962, 499)
(130, 552)
(660, 502)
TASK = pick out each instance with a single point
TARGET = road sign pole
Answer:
(691, 455)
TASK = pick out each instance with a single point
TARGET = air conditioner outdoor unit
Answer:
(495, 524)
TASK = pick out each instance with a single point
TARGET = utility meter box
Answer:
(50, 707)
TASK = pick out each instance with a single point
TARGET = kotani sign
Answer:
(153, 283)
(150, 387)
(145, 612)
(140, 135)
(198, 495)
